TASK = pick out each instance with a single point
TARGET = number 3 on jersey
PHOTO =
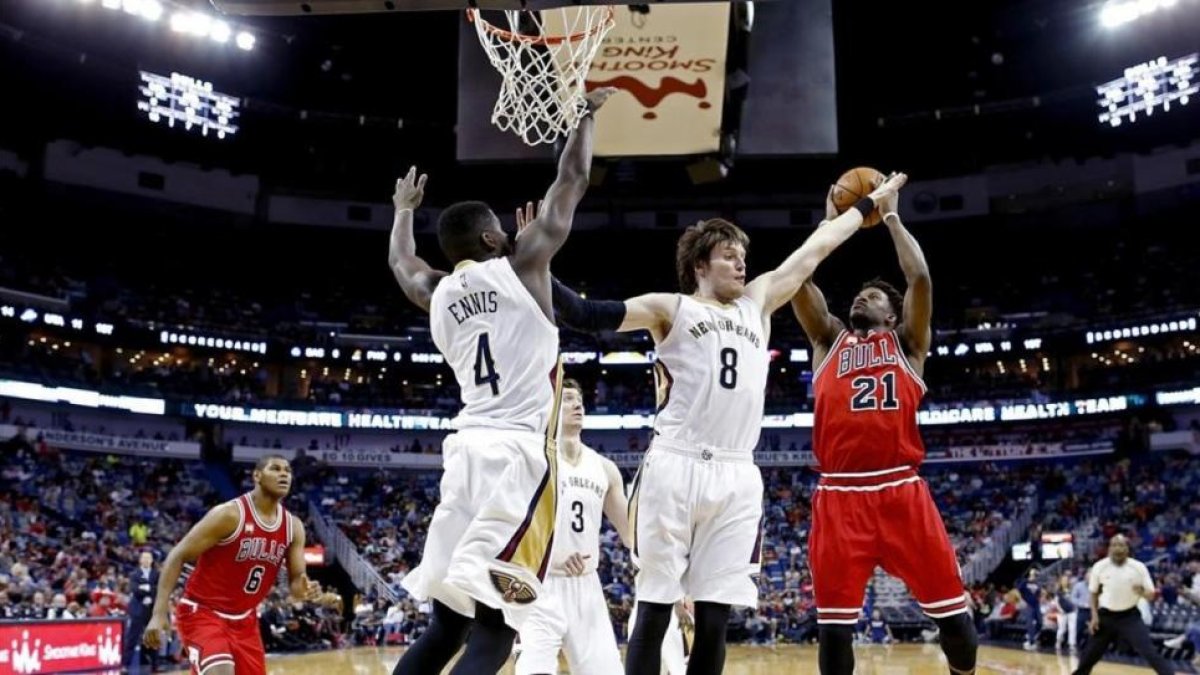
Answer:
(485, 368)
(577, 521)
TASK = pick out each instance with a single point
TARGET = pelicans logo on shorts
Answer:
(511, 588)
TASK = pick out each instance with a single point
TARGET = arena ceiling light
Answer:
(1117, 13)
(203, 25)
(184, 21)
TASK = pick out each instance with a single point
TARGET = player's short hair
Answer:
(894, 296)
(572, 383)
(458, 229)
(266, 459)
(696, 245)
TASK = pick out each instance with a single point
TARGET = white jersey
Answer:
(501, 345)
(711, 375)
(581, 493)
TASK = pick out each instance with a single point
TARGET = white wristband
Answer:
(891, 214)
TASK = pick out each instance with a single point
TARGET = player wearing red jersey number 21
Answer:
(239, 548)
(870, 507)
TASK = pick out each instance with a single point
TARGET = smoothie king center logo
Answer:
(28, 656)
(632, 64)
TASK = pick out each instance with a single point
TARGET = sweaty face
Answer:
(275, 478)
(572, 409)
(872, 309)
(725, 271)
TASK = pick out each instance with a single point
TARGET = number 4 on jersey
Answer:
(485, 368)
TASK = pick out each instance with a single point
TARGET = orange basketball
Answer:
(853, 186)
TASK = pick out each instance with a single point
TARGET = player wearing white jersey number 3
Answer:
(572, 614)
(696, 505)
(489, 542)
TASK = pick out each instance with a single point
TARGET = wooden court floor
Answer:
(745, 660)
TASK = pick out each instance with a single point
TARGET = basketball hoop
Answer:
(543, 58)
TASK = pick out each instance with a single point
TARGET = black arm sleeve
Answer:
(591, 316)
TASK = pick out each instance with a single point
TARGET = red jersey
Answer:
(235, 576)
(867, 396)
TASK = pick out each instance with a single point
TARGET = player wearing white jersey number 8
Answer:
(696, 505)
(572, 614)
(488, 545)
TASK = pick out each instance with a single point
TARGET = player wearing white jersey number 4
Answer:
(696, 506)
(572, 614)
(489, 542)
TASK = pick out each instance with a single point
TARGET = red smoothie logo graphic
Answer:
(643, 58)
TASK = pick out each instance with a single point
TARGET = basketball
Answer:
(853, 186)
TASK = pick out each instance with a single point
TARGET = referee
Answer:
(1116, 583)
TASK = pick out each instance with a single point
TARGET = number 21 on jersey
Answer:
(874, 393)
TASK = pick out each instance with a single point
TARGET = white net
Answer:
(543, 59)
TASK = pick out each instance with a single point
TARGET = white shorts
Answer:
(572, 615)
(676, 646)
(489, 540)
(696, 519)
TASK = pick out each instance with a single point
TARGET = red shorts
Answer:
(210, 639)
(885, 518)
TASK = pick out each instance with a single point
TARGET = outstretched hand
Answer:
(410, 190)
(596, 97)
(888, 192)
(526, 215)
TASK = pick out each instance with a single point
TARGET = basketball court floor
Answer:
(744, 660)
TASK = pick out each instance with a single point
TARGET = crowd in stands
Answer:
(352, 297)
(240, 380)
(73, 524)
(1151, 500)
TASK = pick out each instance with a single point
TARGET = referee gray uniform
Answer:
(1116, 584)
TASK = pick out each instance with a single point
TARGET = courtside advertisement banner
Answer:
(69, 646)
(669, 68)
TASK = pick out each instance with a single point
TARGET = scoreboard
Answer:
(1157, 84)
(182, 100)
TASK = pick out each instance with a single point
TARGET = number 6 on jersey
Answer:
(255, 579)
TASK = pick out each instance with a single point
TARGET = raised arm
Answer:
(548, 231)
(416, 277)
(615, 504)
(821, 326)
(218, 524)
(772, 289)
(915, 329)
